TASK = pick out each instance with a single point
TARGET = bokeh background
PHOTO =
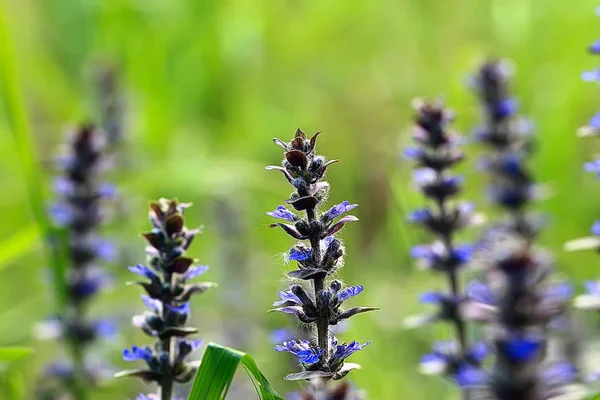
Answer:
(207, 84)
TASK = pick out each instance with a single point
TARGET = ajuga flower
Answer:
(79, 209)
(166, 282)
(437, 152)
(314, 299)
(521, 300)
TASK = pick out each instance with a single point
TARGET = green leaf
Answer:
(216, 372)
(19, 243)
(15, 353)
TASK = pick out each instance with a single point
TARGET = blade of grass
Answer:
(216, 372)
(14, 353)
(18, 244)
(55, 238)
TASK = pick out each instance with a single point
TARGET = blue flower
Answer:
(468, 376)
(61, 214)
(105, 249)
(91, 284)
(593, 288)
(596, 228)
(593, 166)
(420, 216)
(181, 309)
(521, 349)
(558, 374)
(349, 292)
(590, 76)
(481, 293)
(343, 351)
(300, 254)
(195, 271)
(413, 153)
(595, 47)
(283, 213)
(505, 108)
(301, 349)
(431, 297)
(154, 304)
(104, 327)
(340, 209)
(287, 297)
(143, 271)
(63, 186)
(138, 353)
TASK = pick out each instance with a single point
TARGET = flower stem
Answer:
(165, 390)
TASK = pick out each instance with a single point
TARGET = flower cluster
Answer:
(167, 277)
(80, 211)
(437, 152)
(590, 300)
(319, 303)
(521, 299)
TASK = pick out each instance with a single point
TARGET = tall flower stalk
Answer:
(168, 292)
(313, 297)
(523, 300)
(80, 211)
(437, 152)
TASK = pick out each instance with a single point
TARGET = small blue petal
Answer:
(420, 216)
(300, 254)
(431, 298)
(481, 293)
(63, 186)
(590, 76)
(287, 296)
(195, 271)
(182, 309)
(420, 252)
(522, 349)
(340, 209)
(349, 292)
(105, 327)
(479, 351)
(283, 213)
(469, 376)
(412, 153)
(596, 228)
(138, 353)
(154, 304)
(506, 108)
(592, 287)
(595, 47)
(61, 214)
(463, 253)
(143, 271)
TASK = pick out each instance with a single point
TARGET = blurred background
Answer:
(205, 86)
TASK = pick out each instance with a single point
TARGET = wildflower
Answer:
(518, 301)
(79, 210)
(167, 296)
(321, 357)
(437, 153)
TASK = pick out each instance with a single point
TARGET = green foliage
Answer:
(15, 353)
(217, 370)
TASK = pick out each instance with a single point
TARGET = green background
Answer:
(208, 84)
